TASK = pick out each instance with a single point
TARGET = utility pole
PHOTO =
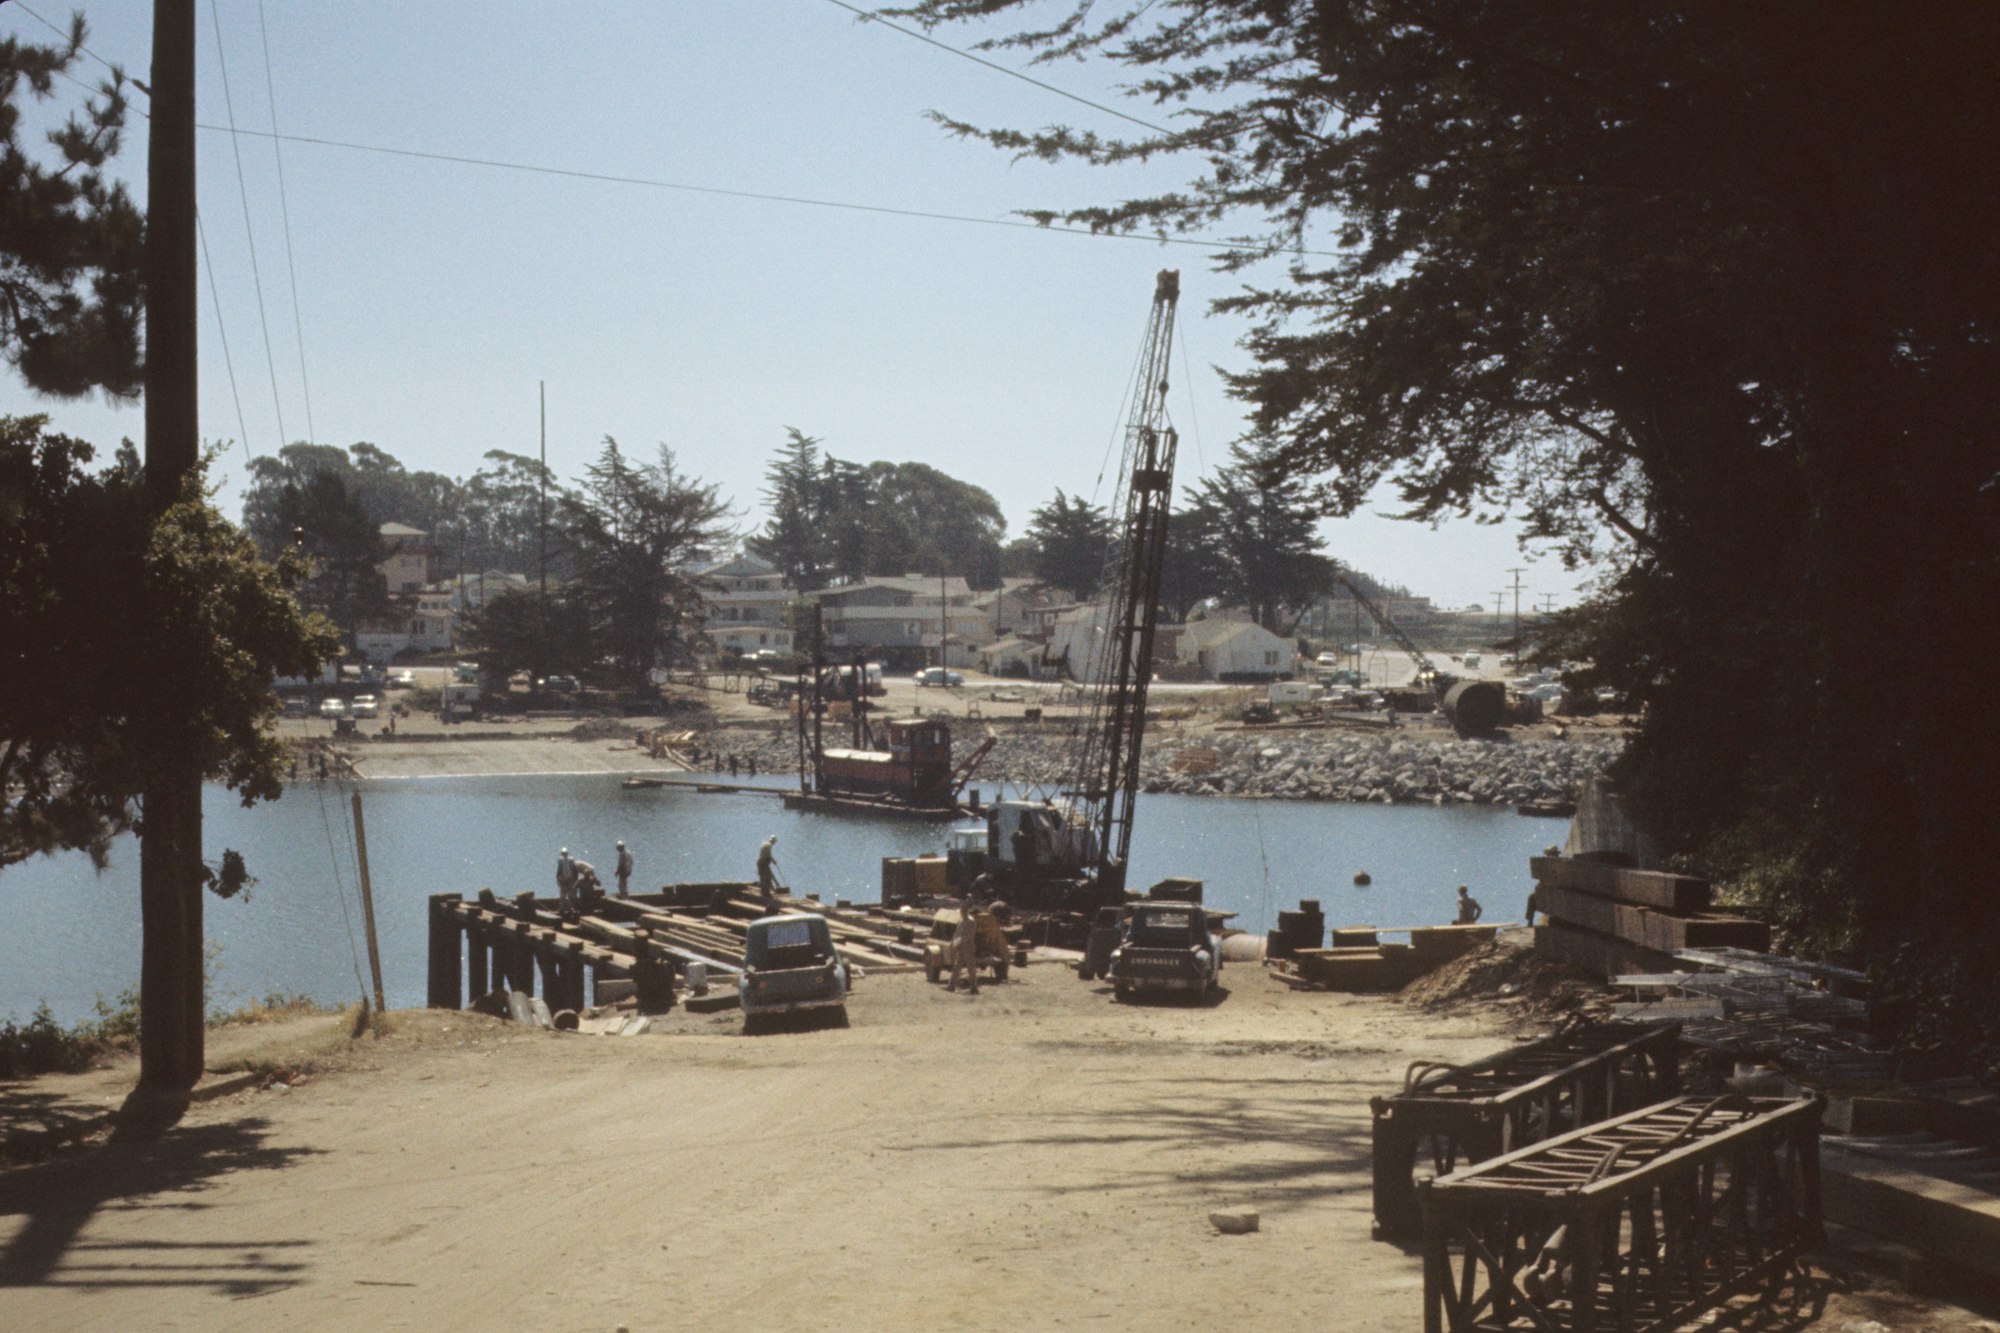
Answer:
(1548, 606)
(1499, 604)
(1516, 572)
(171, 1023)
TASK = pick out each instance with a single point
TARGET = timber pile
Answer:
(1361, 961)
(1608, 919)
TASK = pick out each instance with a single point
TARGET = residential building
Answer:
(1225, 648)
(409, 560)
(746, 602)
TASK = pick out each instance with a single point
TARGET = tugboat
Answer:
(901, 766)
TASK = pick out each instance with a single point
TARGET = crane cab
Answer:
(1057, 841)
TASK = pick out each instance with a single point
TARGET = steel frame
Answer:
(1638, 1223)
(1468, 1113)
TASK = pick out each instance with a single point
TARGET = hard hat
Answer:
(621, 842)
(565, 851)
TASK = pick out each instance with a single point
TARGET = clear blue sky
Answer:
(434, 296)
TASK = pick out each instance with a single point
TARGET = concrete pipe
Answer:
(1475, 707)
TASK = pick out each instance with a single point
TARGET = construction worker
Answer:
(624, 870)
(589, 888)
(565, 882)
(965, 947)
(1469, 909)
(1025, 845)
(767, 872)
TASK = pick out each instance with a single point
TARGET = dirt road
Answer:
(1034, 1157)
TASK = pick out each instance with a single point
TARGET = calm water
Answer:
(74, 934)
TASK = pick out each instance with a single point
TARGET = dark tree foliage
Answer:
(520, 631)
(343, 544)
(71, 239)
(830, 519)
(499, 520)
(795, 536)
(633, 531)
(95, 593)
(1257, 540)
(491, 520)
(1706, 291)
(1070, 539)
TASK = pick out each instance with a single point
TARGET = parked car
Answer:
(789, 965)
(298, 706)
(334, 707)
(939, 676)
(560, 684)
(365, 705)
(1326, 660)
(405, 679)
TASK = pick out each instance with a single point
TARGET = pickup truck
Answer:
(1167, 946)
(790, 965)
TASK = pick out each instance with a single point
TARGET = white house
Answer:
(746, 598)
(1229, 650)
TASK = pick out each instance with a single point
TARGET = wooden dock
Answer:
(489, 942)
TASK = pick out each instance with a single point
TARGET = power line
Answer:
(285, 212)
(759, 196)
(1011, 73)
(250, 233)
(215, 298)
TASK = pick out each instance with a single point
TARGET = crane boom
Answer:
(1109, 777)
(1427, 674)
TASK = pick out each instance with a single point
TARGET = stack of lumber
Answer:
(906, 878)
(1361, 961)
(1609, 919)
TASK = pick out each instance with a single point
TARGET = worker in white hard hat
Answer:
(565, 882)
(624, 870)
(767, 872)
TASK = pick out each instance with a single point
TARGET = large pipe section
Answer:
(1475, 707)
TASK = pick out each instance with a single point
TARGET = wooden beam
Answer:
(1644, 888)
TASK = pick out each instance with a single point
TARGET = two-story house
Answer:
(746, 599)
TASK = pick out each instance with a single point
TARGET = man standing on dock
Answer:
(767, 872)
(965, 947)
(565, 882)
(624, 870)
(1469, 910)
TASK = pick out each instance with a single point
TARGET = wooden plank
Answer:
(1604, 955)
(1946, 1218)
(1644, 888)
(1661, 931)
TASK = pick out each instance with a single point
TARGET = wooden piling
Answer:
(447, 943)
(476, 984)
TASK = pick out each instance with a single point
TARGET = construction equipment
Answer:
(991, 947)
(1069, 852)
(902, 765)
(1473, 707)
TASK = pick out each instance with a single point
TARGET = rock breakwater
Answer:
(1295, 765)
